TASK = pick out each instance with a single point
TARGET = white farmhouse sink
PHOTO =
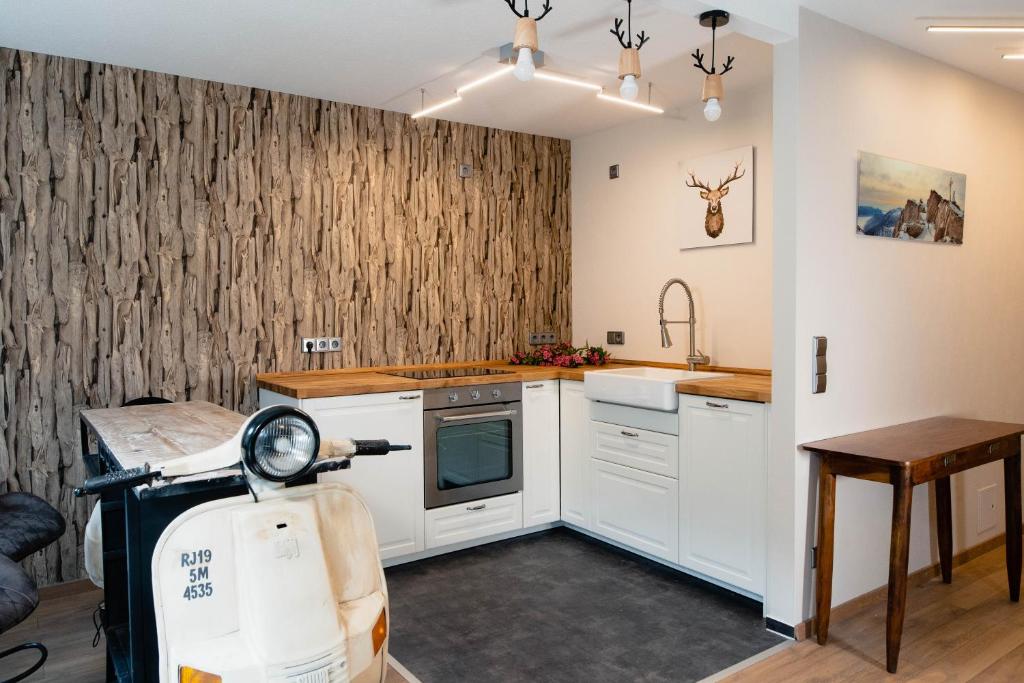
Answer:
(641, 387)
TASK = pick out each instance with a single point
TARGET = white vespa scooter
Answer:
(284, 584)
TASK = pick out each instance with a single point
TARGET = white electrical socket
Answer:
(321, 344)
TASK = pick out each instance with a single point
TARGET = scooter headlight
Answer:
(280, 443)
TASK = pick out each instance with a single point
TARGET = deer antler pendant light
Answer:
(629, 58)
(713, 92)
(525, 43)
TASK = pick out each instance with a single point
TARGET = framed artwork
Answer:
(907, 201)
(718, 199)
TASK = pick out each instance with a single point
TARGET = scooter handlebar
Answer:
(122, 479)
(377, 447)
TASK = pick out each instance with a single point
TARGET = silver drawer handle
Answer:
(534, 386)
(629, 434)
(709, 404)
(476, 416)
(408, 398)
(477, 508)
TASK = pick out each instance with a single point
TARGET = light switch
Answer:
(819, 365)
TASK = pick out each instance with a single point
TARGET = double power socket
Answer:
(321, 344)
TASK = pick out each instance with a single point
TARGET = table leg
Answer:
(898, 557)
(1011, 488)
(826, 538)
(944, 522)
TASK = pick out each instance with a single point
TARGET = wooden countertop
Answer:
(744, 385)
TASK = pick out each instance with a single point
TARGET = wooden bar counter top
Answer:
(743, 385)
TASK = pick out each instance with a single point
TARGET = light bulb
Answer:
(712, 110)
(630, 89)
(524, 65)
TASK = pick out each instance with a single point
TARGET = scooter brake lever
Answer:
(332, 466)
(122, 479)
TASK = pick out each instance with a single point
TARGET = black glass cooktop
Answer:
(448, 373)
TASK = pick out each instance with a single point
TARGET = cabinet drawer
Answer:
(467, 521)
(636, 508)
(638, 448)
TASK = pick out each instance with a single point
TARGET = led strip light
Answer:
(1015, 56)
(976, 29)
(540, 75)
(636, 105)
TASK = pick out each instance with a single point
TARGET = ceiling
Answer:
(904, 23)
(381, 53)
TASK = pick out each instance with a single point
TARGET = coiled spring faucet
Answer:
(696, 356)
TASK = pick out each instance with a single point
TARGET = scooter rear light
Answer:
(186, 674)
(380, 631)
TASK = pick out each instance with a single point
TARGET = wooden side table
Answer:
(905, 456)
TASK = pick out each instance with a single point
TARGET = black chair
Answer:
(27, 525)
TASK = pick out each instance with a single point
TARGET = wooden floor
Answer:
(966, 631)
(63, 623)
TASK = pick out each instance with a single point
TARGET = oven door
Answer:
(472, 453)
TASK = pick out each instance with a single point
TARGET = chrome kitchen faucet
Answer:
(696, 356)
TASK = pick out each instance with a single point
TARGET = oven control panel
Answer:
(472, 395)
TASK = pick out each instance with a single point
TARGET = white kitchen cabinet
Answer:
(636, 508)
(468, 521)
(540, 453)
(574, 425)
(722, 490)
(391, 485)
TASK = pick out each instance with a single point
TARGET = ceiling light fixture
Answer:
(713, 91)
(437, 107)
(1015, 56)
(526, 43)
(486, 79)
(629, 103)
(565, 80)
(629, 58)
(975, 29)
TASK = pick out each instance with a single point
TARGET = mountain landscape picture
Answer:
(908, 201)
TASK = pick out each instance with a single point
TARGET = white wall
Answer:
(625, 238)
(915, 330)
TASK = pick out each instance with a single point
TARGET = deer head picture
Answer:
(714, 219)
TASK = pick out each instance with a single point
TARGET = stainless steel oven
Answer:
(472, 443)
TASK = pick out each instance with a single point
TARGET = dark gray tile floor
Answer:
(558, 606)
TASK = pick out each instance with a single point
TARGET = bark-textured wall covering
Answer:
(169, 236)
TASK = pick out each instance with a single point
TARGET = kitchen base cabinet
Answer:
(722, 490)
(391, 485)
(540, 453)
(574, 423)
(636, 508)
(467, 521)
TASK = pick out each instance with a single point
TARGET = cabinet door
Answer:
(391, 485)
(540, 453)
(636, 508)
(722, 490)
(574, 411)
